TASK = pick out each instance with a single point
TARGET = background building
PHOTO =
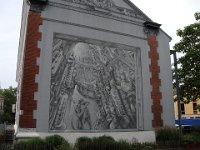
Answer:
(189, 110)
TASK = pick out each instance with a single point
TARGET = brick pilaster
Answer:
(30, 68)
(155, 82)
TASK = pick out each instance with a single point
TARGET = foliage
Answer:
(2, 135)
(5, 146)
(103, 139)
(56, 142)
(143, 146)
(168, 137)
(31, 144)
(198, 107)
(191, 138)
(188, 72)
(9, 96)
(1, 117)
(64, 146)
(107, 142)
(196, 129)
(101, 142)
(82, 142)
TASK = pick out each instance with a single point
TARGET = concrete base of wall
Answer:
(136, 136)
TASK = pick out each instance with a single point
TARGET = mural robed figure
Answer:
(92, 86)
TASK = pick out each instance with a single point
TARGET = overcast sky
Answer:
(172, 14)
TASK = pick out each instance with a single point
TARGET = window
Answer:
(194, 107)
(1, 105)
(182, 108)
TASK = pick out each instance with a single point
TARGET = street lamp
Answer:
(173, 52)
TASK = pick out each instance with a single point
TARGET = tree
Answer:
(189, 70)
(9, 96)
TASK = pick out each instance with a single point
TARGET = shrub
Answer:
(31, 144)
(188, 139)
(83, 143)
(191, 138)
(143, 146)
(104, 139)
(56, 142)
(195, 129)
(108, 143)
(168, 137)
(2, 136)
(96, 143)
(2, 132)
(64, 146)
(5, 146)
(123, 145)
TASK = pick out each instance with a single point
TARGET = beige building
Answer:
(1, 103)
(187, 110)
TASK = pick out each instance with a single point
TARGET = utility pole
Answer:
(177, 89)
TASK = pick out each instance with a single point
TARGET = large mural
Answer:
(93, 86)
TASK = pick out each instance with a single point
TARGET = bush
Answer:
(123, 145)
(83, 142)
(143, 146)
(2, 136)
(64, 146)
(2, 132)
(54, 142)
(108, 143)
(104, 139)
(191, 138)
(5, 146)
(31, 144)
(168, 137)
(195, 129)
(188, 139)
(96, 143)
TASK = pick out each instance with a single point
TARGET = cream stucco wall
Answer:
(189, 110)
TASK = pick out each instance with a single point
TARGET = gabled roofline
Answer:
(148, 19)
(135, 7)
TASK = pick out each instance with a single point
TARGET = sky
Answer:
(172, 14)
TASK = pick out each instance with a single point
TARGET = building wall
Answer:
(58, 18)
(189, 109)
(20, 60)
(50, 27)
(166, 78)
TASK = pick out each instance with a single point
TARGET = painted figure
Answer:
(81, 118)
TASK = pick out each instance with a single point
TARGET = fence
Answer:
(100, 146)
(5, 146)
(6, 133)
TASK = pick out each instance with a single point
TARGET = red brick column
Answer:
(155, 82)
(30, 69)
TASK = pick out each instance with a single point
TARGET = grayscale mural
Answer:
(92, 86)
